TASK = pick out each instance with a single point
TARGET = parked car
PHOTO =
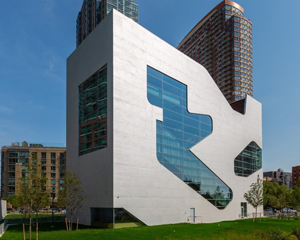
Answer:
(44, 210)
(8, 210)
(22, 210)
(55, 209)
(64, 211)
(287, 210)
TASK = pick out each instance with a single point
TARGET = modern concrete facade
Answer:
(222, 43)
(16, 157)
(93, 11)
(128, 173)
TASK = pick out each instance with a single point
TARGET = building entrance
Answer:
(243, 210)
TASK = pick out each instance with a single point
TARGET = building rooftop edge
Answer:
(25, 144)
(216, 8)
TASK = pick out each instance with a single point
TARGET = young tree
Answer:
(72, 197)
(14, 201)
(32, 193)
(19, 200)
(61, 200)
(255, 195)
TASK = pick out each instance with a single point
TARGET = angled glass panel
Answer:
(248, 161)
(178, 132)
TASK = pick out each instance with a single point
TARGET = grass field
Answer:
(240, 229)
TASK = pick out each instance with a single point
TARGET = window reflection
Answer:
(248, 161)
(178, 132)
(93, 112)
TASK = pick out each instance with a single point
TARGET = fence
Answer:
(270, 214)
(252, 215)
(42, 219)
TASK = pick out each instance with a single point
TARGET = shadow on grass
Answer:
(47, 227)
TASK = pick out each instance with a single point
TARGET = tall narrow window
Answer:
(93, 112)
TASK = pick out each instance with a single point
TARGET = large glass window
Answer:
(93, 112)
(178, 132)
(113, 218)
(248, 161)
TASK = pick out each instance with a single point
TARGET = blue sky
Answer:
(36, 37)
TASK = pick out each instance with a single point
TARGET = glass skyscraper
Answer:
(93, 11)
(222, 43)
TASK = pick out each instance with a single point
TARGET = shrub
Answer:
(260, 234)
(296, 217)
(293, 237)
(296, 231)
(277, 234)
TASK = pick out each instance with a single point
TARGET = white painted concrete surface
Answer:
(127, 174)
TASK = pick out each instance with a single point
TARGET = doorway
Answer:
(243, 209)
(192, 214)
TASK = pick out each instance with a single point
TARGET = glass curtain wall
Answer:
(113, 218)
(178, 132)
(128, 7)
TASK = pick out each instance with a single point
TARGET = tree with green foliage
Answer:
(72, 196)
(296, 196)
(255, 195)
(14, 201)
(279, 196)
(32, 194)
(284, 196)
(270, 194)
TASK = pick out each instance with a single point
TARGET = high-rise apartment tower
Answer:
(222, 43)
(93, 11)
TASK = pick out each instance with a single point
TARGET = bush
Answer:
(296, 231)
(260, 234)
(277, 234)
(296, 217)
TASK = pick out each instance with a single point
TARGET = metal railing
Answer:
(252, 215)
(42, 219)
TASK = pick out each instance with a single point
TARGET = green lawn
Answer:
(240, 229)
